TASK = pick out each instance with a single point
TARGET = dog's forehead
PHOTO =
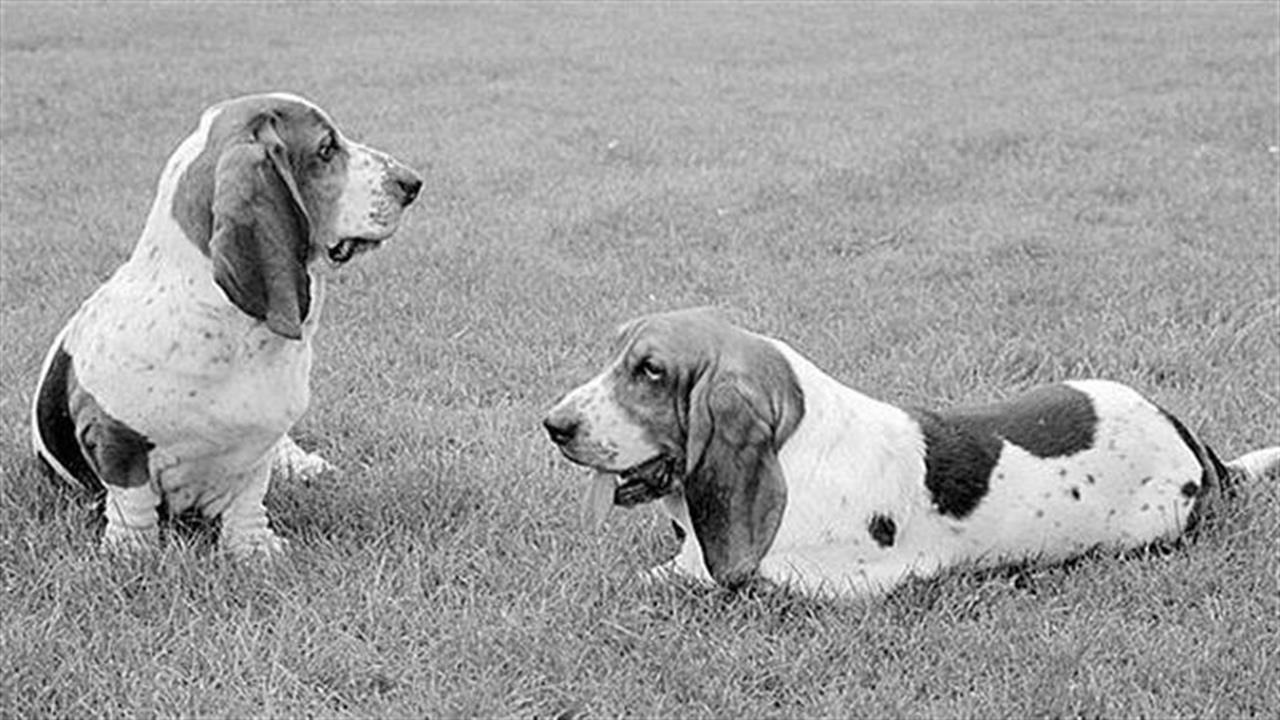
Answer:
(286, 103)
(295, 114)
(680, 334)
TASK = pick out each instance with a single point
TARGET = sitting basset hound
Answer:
(775, 470)
(178, 380)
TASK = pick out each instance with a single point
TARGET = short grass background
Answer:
(937, 203)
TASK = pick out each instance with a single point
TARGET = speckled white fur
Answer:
(162, 349)
(852, 457)
(614, 442)
(365, 208)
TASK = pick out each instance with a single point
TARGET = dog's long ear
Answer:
(739, 416)
(261, 233)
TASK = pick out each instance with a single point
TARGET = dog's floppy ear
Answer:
(261, 233)
(739, 416)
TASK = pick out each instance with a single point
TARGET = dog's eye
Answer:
(650, 370)
(328, 148)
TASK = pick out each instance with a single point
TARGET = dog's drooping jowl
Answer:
(775, 470)
(178, 380)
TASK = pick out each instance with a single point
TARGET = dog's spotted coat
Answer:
(178, 380)
(774, 469)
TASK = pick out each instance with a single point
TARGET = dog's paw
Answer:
(304, 468)
(263, 545)
(125, 541)
(666, 573)
(292, 463)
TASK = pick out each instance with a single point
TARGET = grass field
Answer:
(937, 203)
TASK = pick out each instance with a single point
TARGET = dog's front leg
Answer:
(688, 562)
(245, 531)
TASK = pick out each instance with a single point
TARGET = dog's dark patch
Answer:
(1050, 421)
(55, 426)
(957, 463)
(1090, 479)
(962, 445)
(115, 453)
(1190, 489)
(1075, 493)
(882, 529)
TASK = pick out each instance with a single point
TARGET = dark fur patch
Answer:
(957, 463)
(116, 452)
(1050, 421)
(882, 529)
(55, 425)
(962, 445)
(236, 123)
(723, 402)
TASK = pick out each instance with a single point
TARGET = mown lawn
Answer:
(937, 203)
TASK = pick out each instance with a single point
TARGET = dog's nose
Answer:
(561, 427)
(409, 189)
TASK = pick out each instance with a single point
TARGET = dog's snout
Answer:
(562, 427)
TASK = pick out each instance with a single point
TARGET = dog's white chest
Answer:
(159, 345)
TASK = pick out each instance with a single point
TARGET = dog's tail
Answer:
(1254, 466)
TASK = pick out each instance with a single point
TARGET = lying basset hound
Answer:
(178, 380)
(775, 470)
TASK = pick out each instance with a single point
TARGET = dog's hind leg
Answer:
(119, 457)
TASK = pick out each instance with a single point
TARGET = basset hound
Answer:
(177, 381)
(775, 470)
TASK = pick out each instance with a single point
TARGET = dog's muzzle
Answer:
(648, 481)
